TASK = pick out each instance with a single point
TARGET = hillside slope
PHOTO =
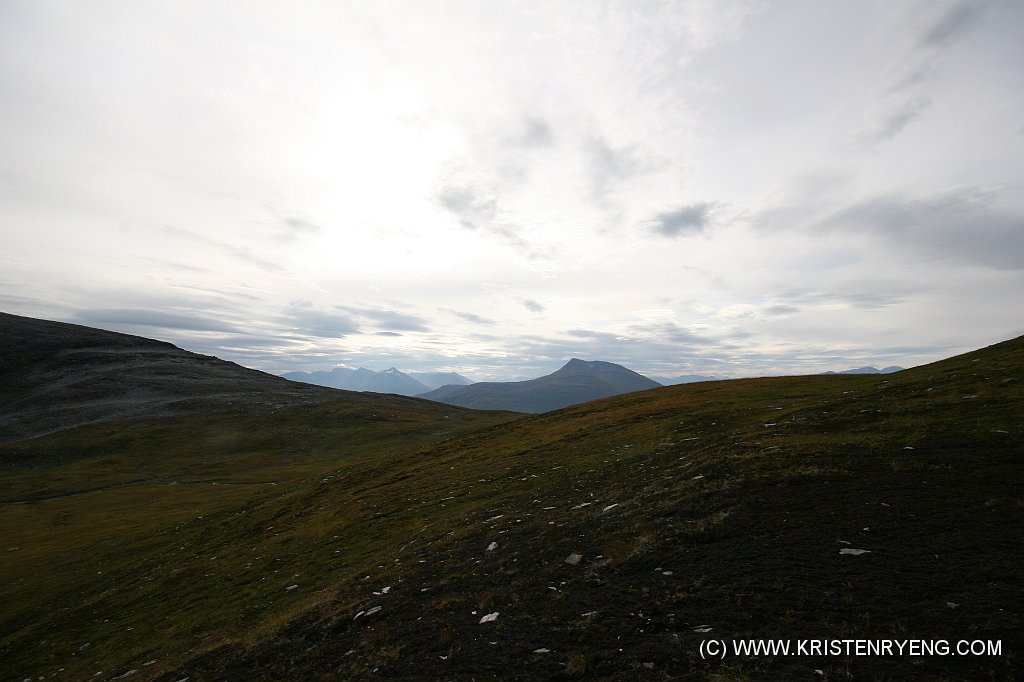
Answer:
(610, 539)
(577, 382)
(57, 375)
(717, 510)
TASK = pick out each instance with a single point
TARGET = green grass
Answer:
(175, 541)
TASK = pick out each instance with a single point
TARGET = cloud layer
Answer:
(722, 187)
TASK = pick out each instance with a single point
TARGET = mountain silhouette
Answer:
(387, 381)
(579, 381)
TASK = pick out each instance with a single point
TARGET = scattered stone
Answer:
(542, 651)
(703, 628)
(573, 559)
(854, 552)
(582, 505)
(489, 618)
(952, 605)
(493, 546)
(610, 507)
(697, 477)
(666, 572)
(374, 610)
(385, 590)
(291, 587)
(649, 665)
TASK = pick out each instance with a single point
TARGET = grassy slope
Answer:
(745, 491)
(111, 533)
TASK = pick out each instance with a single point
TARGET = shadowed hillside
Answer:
(57, 375)
(602, 541)
(577, 382)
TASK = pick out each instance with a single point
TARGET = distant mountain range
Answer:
(869, 370)
(685, 379)
(578, 381)
(386, 381)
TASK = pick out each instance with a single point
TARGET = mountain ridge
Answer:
(59, 375)
(391, 380)
(891, 369)
(578, 381)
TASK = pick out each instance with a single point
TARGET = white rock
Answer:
(542, 651)
(952, 605)
(291, 587)
(493, 546)
(854, 552)
(374, 610)
(489, 618)
(703, 628)
(573, 559)
(610, 507)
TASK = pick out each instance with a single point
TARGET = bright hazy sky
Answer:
(724, 188)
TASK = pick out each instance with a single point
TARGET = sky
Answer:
(709, 187)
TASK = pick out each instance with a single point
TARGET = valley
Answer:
(360, 536)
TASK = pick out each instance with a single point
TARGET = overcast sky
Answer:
(724, 188)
